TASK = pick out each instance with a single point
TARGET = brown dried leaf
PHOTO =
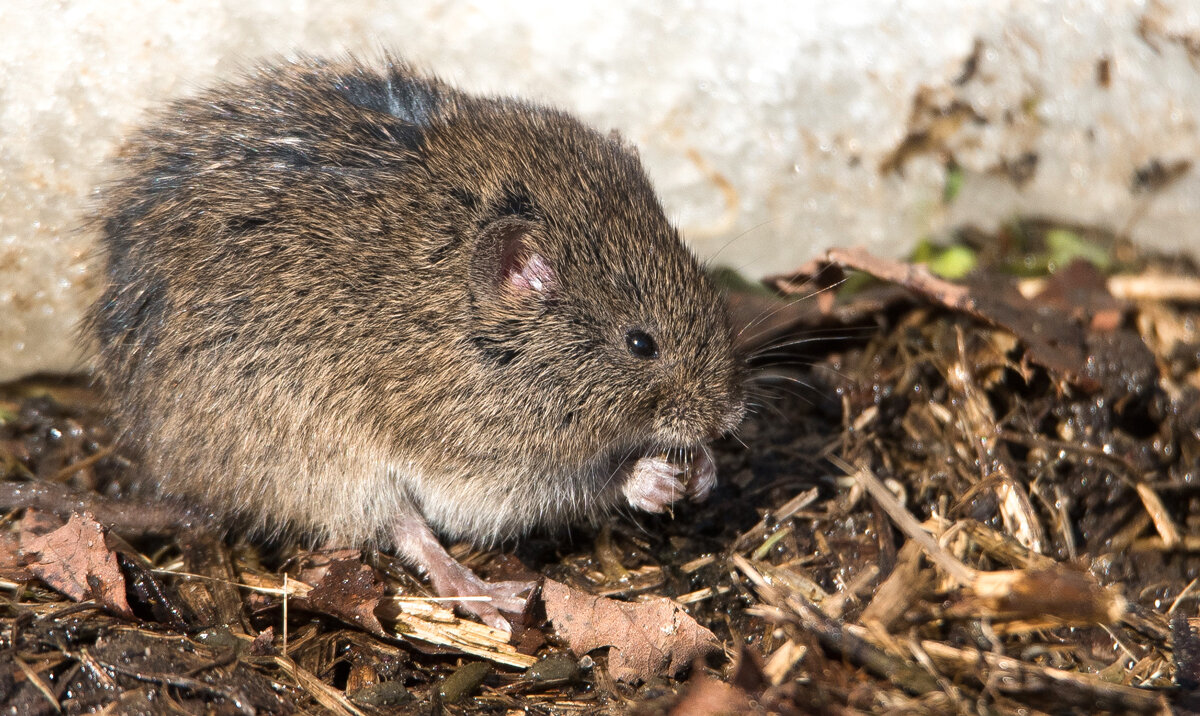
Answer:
(264, 643)
(75, 560)
(351, 592)
(647, 638)
(36, 523)
(314, 566)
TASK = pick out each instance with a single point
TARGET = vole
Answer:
(347, 301)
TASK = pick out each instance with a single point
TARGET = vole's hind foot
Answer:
(415, 542)
(458, 581)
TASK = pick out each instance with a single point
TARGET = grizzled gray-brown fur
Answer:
(349, 302)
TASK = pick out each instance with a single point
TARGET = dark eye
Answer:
(641, 344)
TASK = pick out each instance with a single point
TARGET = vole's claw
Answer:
(488, 615)
(505, 597)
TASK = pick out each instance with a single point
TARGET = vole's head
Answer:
(588, 321)
(589, 313)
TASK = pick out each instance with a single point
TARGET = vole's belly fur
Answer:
(345, 487)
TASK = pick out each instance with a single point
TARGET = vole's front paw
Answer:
(654, 484)
(702, 476)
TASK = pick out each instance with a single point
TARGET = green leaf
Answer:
(1066, 246)
(954, 182)
(924, 252)
(730, 280)
(952, 262)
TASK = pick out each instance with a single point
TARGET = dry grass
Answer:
(934, 523)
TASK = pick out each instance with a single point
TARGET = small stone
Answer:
(218, 638)
(556, 668)
(464, 682)
(384, 695)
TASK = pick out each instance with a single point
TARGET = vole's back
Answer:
(293, 327)
(257, 240)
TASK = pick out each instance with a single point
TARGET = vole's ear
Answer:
(507, 261)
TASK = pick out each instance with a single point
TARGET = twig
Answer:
(1163, 523)
(38, 683)
(324, 694)
(285, 612)
(229, 657)
(127, 516)
(63, 474)
(235, 698)
(1181, 289)
(1018, 677)
(1125, 470)
(759, 530)
(959, 572)
(701, 594)
(834, 637)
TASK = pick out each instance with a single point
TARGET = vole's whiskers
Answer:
(840, 333)
(786, 305)
(766, 377)
(753, 407)
(619, 464)
(708, 263)
(767, 401)
(787, 384)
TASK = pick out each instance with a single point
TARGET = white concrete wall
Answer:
(772, 129)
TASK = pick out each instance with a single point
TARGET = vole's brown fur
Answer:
(340, 298)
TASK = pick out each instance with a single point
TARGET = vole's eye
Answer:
(641, 344)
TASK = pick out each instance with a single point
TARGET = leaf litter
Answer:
(648, 637)
(967, 495)
(75, 560)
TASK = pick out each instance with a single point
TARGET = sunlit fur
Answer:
(298, 328)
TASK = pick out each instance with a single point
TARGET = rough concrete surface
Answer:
(773, 129)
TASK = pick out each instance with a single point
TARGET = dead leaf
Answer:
(75, 560)
(351, 592)
(264, 643)
(315, 565)
(647, 638)
(36, 523)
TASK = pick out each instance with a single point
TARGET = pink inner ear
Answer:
(533, 274)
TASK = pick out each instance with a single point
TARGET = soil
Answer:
(983, 506)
